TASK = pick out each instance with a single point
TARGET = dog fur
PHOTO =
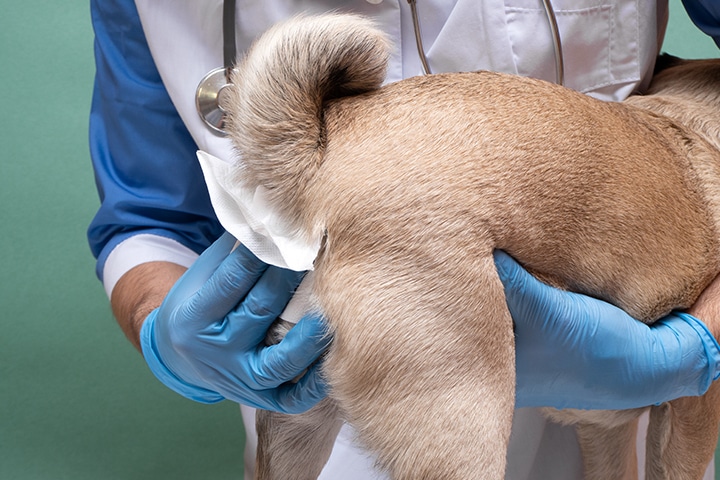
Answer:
(412, 185)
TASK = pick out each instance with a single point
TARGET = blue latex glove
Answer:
(205, 341)
(574, 351)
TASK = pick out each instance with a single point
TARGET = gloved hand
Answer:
(205, 341)
(574, 351)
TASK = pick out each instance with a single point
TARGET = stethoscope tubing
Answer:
(208, 93)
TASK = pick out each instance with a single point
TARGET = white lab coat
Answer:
(609, 48)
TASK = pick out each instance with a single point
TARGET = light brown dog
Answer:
(414, 184)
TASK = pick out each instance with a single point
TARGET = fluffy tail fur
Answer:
(275, 110)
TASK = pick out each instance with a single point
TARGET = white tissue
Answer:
(248, 216)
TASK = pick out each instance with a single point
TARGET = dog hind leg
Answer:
(682, 435)
(609, 452)
(295, 446)
(429, 385)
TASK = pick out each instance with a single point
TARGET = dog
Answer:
(411, 186)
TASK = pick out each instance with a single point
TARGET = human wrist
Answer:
(153, 359)
(710, 347)
(139, 292)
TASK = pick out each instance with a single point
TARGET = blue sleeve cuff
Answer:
(162, 373)
(144, 159)
(705, 14)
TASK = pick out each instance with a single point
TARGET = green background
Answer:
(76, 400)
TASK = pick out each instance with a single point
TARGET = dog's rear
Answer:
(413, 185)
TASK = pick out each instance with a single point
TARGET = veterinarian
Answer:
(201, 332)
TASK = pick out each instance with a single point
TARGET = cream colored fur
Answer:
(414, 184)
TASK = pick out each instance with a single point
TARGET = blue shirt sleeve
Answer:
(706, 15)
(146, 170)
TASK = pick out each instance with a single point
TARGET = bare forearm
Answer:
(139, 292)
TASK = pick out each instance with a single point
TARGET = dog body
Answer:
(413, 185)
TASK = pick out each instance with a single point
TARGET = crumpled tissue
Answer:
(246, 214)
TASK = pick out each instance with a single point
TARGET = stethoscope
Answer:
(210, 90)
(552, 20)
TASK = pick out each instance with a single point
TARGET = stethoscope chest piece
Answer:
(209, 99)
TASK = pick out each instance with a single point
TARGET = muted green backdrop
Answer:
(76, 401)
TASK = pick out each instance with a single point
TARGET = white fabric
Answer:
(246, 214)
(347, 461)
(140, 249)
(538, 450)
(609, 47)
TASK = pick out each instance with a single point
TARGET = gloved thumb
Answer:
(528, 299)
(514, 278)
(201, 270)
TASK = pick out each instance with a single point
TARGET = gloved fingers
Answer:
(308, 391)
(688, 343)
(213, 256)
(301, 347)
(527, 298)
(200, 271)
(231, 281)
(290, 398)
(272, 292)
(163, 373)
(248, 323)
(511, 274)
(220, 248)
(710, 344)
(538, 306)
(306, 341)
(575, 351)
(522, 291)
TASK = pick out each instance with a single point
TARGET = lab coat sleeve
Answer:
(146, 170)
(706, 15)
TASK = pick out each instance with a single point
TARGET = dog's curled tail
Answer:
(275, 108)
